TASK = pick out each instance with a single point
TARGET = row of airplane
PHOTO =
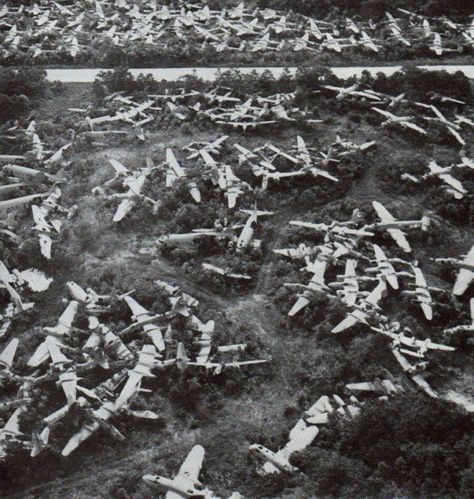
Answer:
(40, 31)
(223, 107)
(452, 126)
(127, 357)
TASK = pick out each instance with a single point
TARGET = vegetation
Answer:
(18, 91)
(407, 446)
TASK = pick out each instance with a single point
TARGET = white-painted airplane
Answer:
(365, 309)
(177, 172)
(301, 436)
(404, 121)
(391, 225)
(316, 284)
(145, 320)
(466, 272)
(186, 483)
(225, 272)
(383, 267)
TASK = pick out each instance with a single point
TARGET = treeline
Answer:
(18, 90)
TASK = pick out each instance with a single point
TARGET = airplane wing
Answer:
(455, 184)
(353, 318)
(397, 234)
(301, 440)
(135, 307)
(129, 389)
(465, 276)
(364, 386)
(118, 167)
(13, 423)
(318, 267)
(56, 355)
(192, 465)
(8, 354)
(377, 293)
(382, 212)
(299, 305)
(400, 239)
(123, 209)
(386, 267)
(68, 381)
(409, 124)
(104, 412)
(383, 112)
(213, 268)
(456, 135)
(40, 355)
(36, 280)
(232, 196)
(173, 163)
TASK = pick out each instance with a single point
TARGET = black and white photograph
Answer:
(236, 249)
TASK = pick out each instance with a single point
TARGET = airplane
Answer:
(225, 272)
(436, 97)
(181, 302)
(7, 357)
(437, 46)
(233, 186)
(144, 320)
(451, 127)
(99, 418)
(246, 235)
(213, 147)
(147, 361)
(304, 156)
(466, 272)
(455, 186)
(63, 328)
(349, 284)
(352, 91)
(316, 284)
(349, 146)
(15, 203)
(67, 373)
(301, 436)
(391, 225)
(421, 293)
(366, 308)
(404, 121)
(300, 252)
(202, 359)
(178, 172)
(383, 267)
(135, 185)
(44, 229)
(384, 387)
(10, 432)
(185, 483)
(368, 42)
(468, 328)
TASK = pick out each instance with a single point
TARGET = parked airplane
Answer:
(186, 482)
(391, 225)
(466, 272)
